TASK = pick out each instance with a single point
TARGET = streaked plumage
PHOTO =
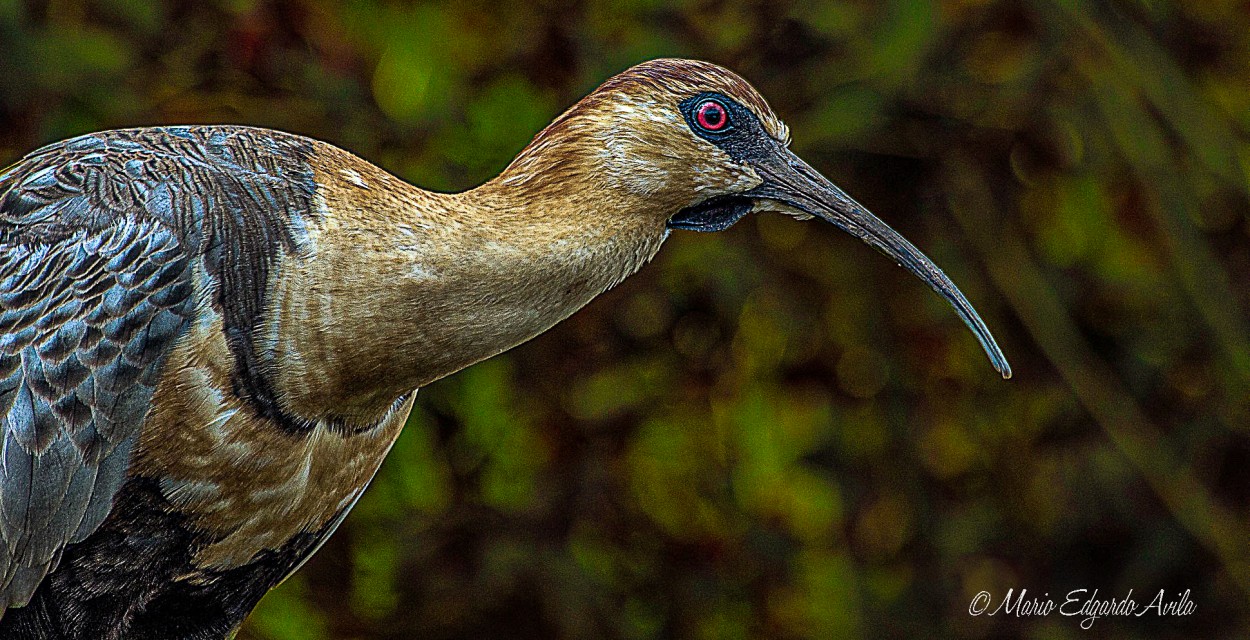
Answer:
(212, 335)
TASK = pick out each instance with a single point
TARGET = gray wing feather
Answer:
(92, 295)
(97, 238)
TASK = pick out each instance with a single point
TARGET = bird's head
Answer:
(702, 148)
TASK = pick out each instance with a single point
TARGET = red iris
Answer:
(711, 116)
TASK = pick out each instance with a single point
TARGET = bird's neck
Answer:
(404, 286)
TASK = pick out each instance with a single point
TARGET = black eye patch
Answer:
(727, 124)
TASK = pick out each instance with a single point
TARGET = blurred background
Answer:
(773, 432)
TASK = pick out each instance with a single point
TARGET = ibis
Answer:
(212, 335)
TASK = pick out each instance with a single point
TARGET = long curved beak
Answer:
(791, 182)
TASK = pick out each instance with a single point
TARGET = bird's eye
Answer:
(712, 116)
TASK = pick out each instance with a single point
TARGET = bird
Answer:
(213, 334)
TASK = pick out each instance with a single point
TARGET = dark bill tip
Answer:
(790, 181)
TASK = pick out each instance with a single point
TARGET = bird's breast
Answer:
(244, 482)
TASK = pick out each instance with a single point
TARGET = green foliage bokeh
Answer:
(773, 432)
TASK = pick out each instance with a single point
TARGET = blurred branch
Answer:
(1207, 283)
(1097, 387)
(1140, 67)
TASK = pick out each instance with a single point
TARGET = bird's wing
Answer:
(87, 311)
(101, 240)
